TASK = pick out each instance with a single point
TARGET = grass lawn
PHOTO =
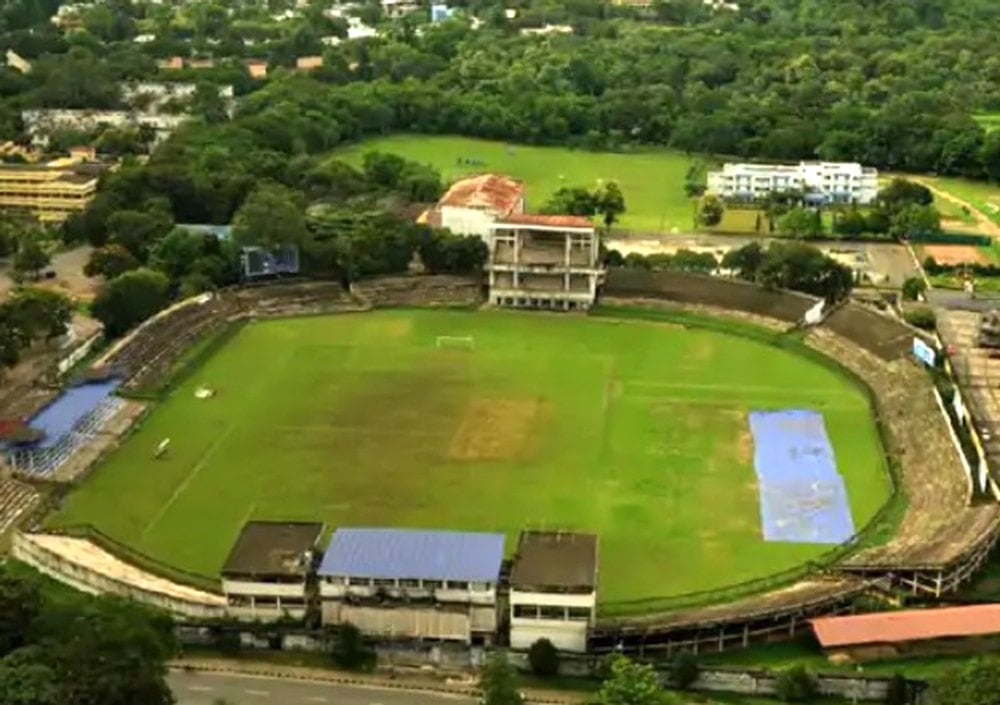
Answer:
(983, 195)
(632, 429)
(652, 181)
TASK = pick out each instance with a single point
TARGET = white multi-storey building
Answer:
(553, 590)
(830, 182)
(544, 261)
(413, 584)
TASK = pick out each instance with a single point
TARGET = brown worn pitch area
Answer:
(955, 254)
(498, 429)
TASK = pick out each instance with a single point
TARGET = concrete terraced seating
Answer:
(940, 525)
(880, 334)
(703, 290)
(434, 290)
(16, 499)
(149, 353)
(293, 299)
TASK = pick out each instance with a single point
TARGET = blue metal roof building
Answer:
(414, 554)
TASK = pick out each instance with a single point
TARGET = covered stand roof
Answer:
(907, 625)
(272, 548)
(414, 554)
(550, 560)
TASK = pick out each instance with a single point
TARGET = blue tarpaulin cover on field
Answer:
(64, 412)
(802, 496)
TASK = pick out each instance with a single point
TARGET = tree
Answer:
(499, 682)
(631, 684)
(691, 261)
(898, 690)
(350, 650)
(445, 253)
(138, 230)
(695, 178)
(109, 261)
(571, 200)
(610, 202)
(913, 288)
(710, 211)
(901, 193)
(851, 222)
(744, 261)
(684, 670)
(129, 299)
(976, 682)
(795, 685)
(801, 223)
(544, 658)
(914, 220)
(25, 679)
(272, 215)
(30, 259)
(20, 603)
(921, 317)
(41, 313)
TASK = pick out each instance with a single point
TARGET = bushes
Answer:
(922, 317)
(796, 685)
(543, 658)
(684, 670)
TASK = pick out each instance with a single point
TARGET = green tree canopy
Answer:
(499, 681)
(272, 215)
(630, 683)
(109, 261)
(129, 299)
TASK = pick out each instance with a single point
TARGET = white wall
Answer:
(89, 580)
(467, 221)
(565, 636)
(487, 596)
(416, 622)
(244, 587)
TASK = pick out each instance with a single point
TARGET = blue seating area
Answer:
(68, 421)
(66, 411)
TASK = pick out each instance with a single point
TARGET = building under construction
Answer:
(544, 261)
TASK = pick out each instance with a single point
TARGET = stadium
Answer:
(721, 470)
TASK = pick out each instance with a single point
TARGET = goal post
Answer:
(462, 342)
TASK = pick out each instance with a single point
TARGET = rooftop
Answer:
(550, 221)
(414, 554)
(272, 548)
(488, 191)
(907, 625)
(560, 560)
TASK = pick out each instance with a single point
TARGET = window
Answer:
(433, 584)
(458, 585)
(265, 601)
(549, 612)
(480, 587)
(526, 611)
(336, 580)
(581, 614)
(385, 582)
(293, 601)
(409, 583)
(359, 582)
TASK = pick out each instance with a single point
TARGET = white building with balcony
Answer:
(266, 574)
(413, 584)
(472, 205)
(553, 590)
(828, 182)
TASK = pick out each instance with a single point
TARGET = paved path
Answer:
(206, 688)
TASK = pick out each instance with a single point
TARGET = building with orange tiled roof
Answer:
(472, 205)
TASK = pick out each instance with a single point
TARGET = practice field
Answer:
(634, 429)
(652, 181)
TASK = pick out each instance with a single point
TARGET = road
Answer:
(208, 688)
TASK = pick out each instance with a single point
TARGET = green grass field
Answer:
(652, 181)
(982, 195)
(632, 429)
